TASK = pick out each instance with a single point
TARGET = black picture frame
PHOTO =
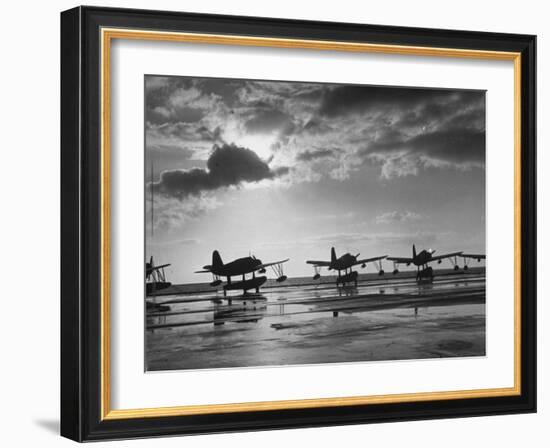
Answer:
(81, 287)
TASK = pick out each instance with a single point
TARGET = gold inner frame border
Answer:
(107, 35)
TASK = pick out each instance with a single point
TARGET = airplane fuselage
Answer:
(239, 266)
(422, 258)
(344, 262)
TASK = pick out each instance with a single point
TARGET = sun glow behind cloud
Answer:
(260, 142)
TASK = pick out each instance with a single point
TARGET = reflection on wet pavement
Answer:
(303, 324)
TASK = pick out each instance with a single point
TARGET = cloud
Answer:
(267, 120)
(398, 130)
(455, 145)
(308, 156)
(177, 100)
(346, 99)
(397, 216)
(453, 148)
(405, 130)
(397, 164)
(181, 132)
(193, 140)
(317, 126)
(228, 165)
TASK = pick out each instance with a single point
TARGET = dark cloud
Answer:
(308, 156)
(228, 165)
(457, 145)
(226, 89)
(461, 110)
(315, 126)
(406, 107)
(210, 135)
(186, 114)
(471, 118)
(343, 100)
(405, 129)
(453, 145)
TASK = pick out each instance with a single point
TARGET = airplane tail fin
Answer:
(414, 251)
(332, 255)
(217, 262)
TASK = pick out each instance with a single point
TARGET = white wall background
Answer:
(29, 185)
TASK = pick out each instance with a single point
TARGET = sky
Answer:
(281, 169)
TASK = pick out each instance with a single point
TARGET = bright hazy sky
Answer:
(287, 170)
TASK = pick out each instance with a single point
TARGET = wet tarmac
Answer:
(381, 319)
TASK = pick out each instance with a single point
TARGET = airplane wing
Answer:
(474, 256)
(368, 260)
(318, 263)
(400, 259)
(441, 257)
(266, 265)
(154, 268)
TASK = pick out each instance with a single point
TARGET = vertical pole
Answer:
(152, 202)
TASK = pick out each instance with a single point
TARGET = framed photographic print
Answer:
(275, 224)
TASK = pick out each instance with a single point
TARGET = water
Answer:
(304, 322)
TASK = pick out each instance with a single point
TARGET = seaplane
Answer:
(345, 263)
(155, 277)
(241, 267)
(424, 272)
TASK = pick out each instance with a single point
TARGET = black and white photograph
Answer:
(292, 223)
